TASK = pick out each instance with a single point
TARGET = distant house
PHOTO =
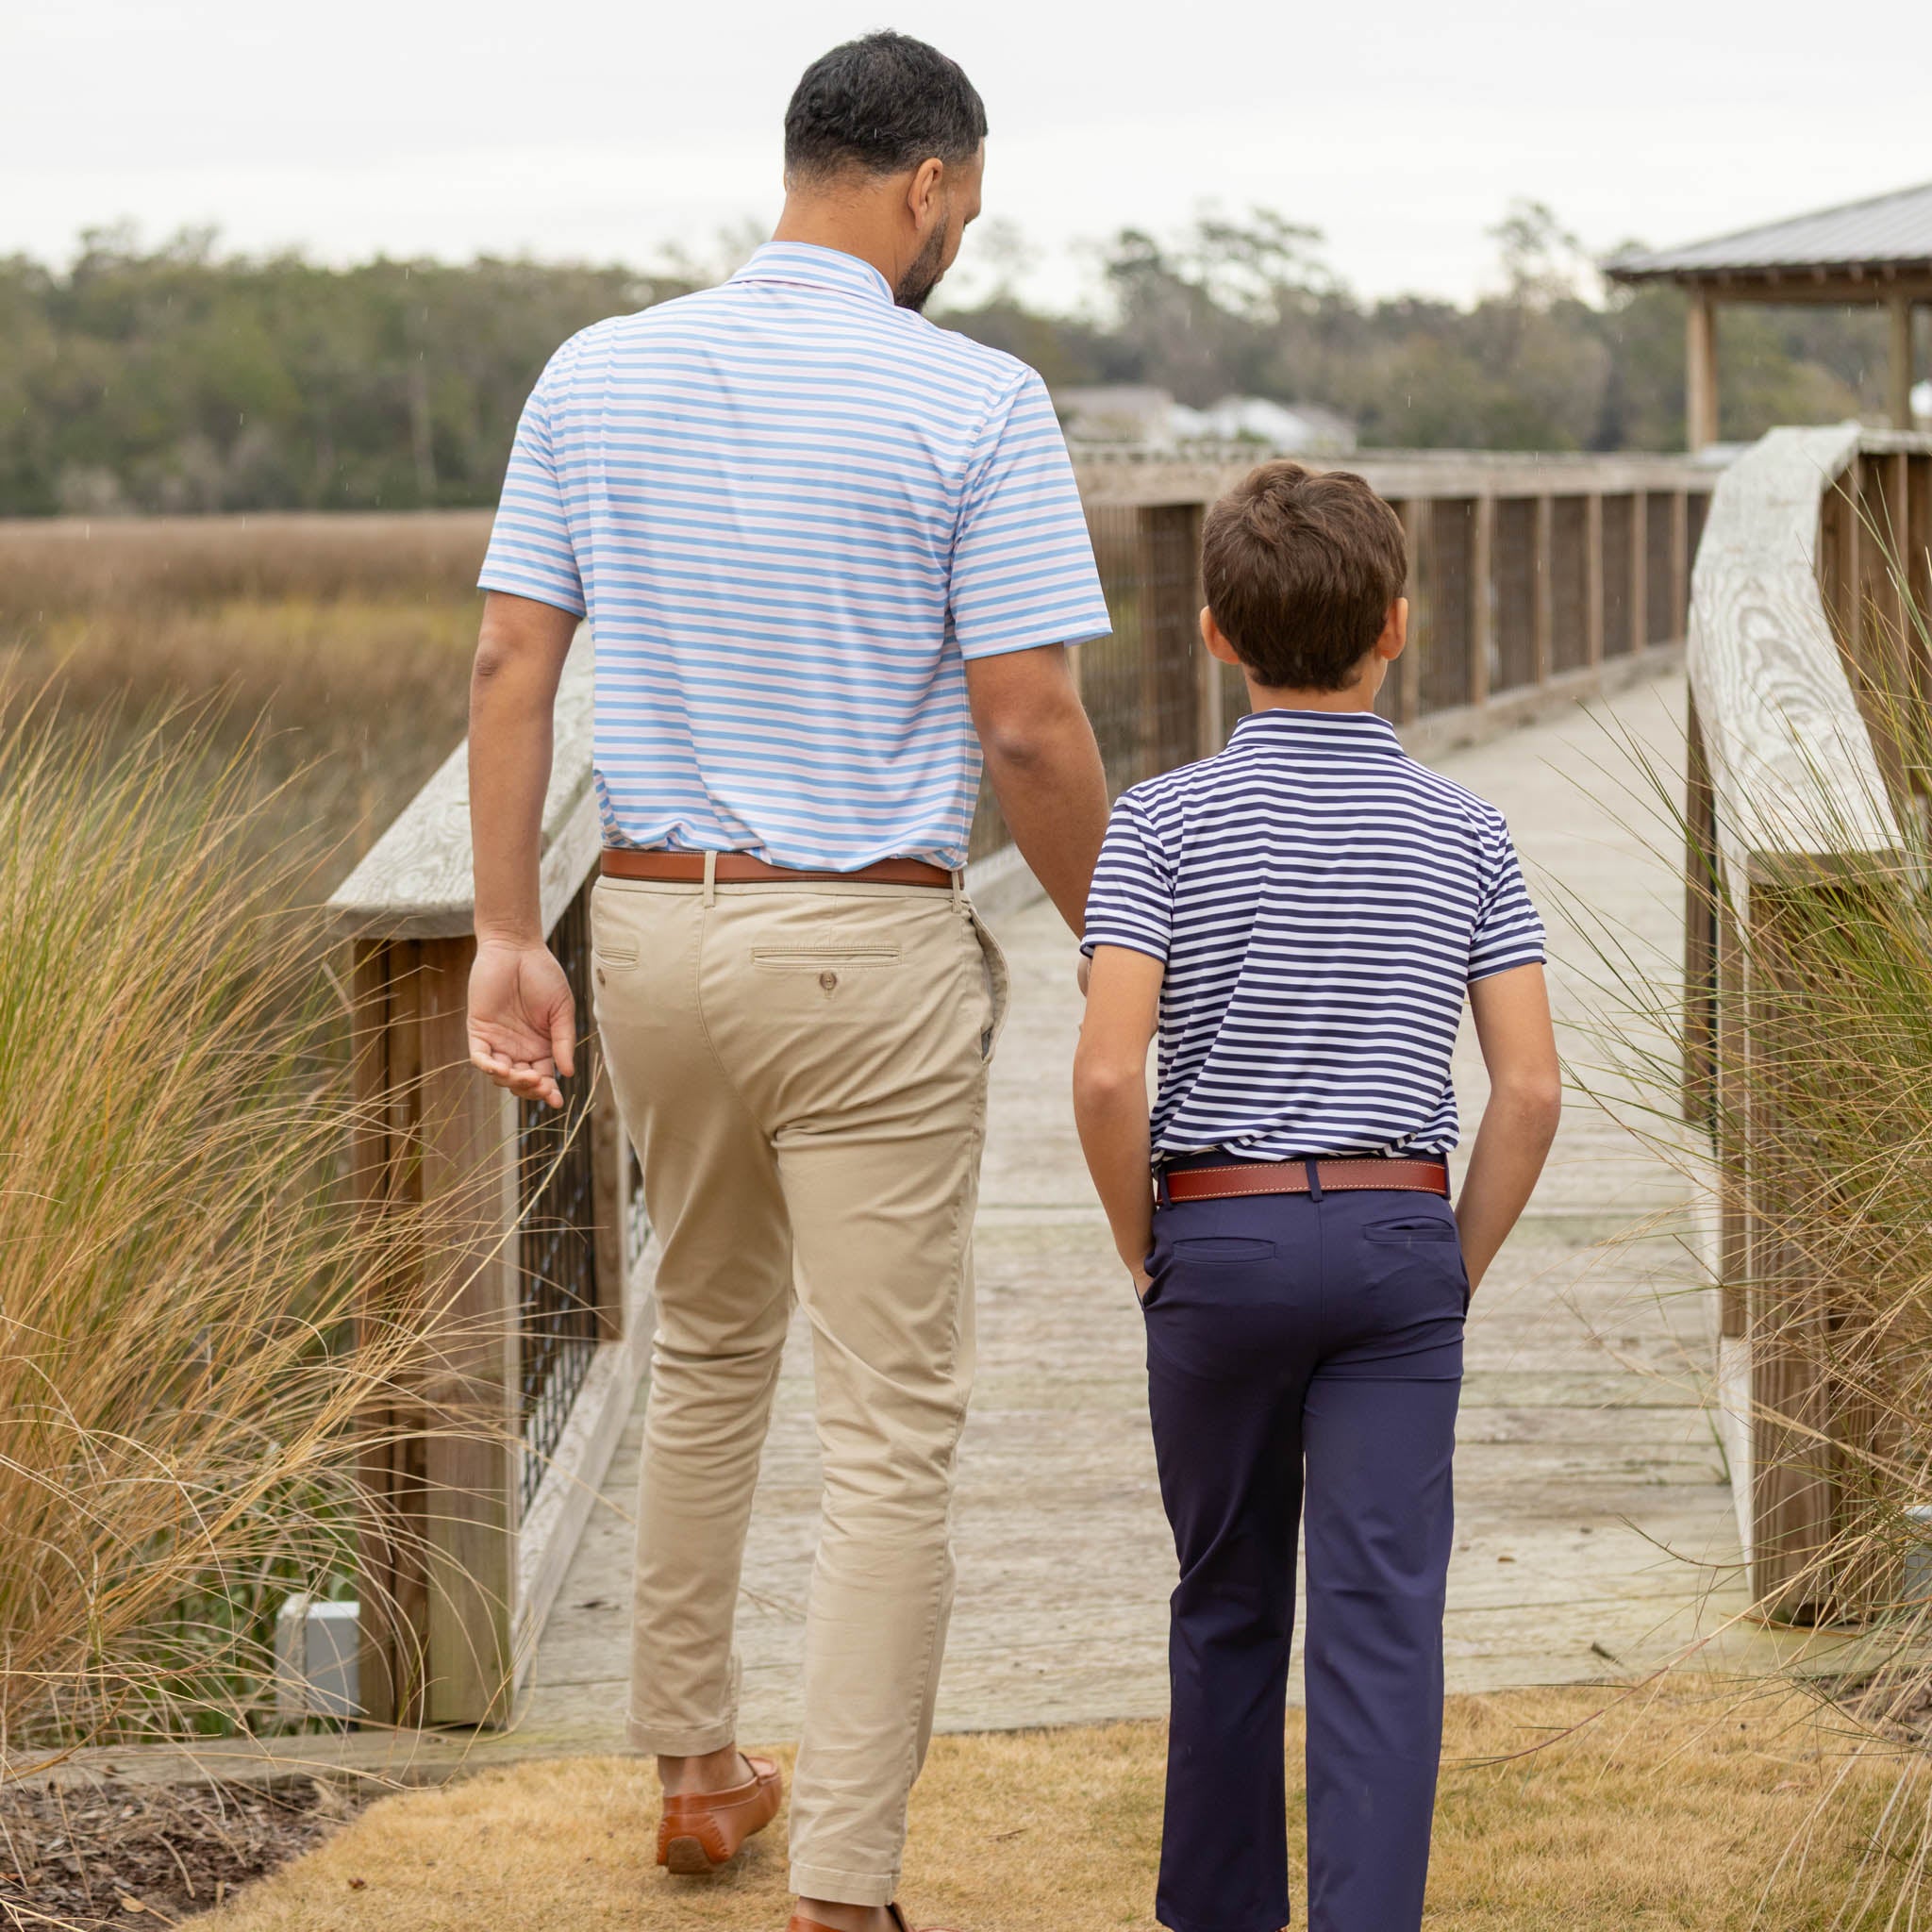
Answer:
(1138, 416)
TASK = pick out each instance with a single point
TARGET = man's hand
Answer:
(1142, 1280)
(522, 1021)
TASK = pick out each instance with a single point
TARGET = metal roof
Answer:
(1888, 232)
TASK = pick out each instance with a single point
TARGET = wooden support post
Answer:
(1482, 598)
(473, 1451)
(1544, 589)
(1680, 563)
(1640, 569)
(1899, 369)
(1594, 580)
(1409, 666)
(1700, 371)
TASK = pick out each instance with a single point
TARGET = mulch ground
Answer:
(119, 1854)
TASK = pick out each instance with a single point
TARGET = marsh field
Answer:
(338, 644)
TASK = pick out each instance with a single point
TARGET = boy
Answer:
(1300, 917)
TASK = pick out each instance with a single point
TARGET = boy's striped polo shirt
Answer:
(1322, 902)
(792, 511)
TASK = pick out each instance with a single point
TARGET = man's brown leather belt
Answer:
(741, 869)
(1291, 1177)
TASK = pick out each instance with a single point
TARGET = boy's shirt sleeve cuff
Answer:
(1150, 944)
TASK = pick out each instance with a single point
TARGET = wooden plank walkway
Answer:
(1596, 1526)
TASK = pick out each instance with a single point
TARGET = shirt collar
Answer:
(1356, 730)
(806, 264)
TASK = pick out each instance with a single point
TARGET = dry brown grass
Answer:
(341, 644)
(1692, 1808)
(58, 565)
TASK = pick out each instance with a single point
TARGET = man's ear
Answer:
(1395, 631)
(1218, 646)
(925, 194)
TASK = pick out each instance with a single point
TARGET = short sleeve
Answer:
(531, 553)
(1131, 901)
(1022, 565)
(1507, 930)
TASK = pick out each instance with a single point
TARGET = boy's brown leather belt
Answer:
(741, 869)
(1291, 1177)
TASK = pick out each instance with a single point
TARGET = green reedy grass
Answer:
(181, 1385)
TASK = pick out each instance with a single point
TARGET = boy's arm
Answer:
(1511, 1012)
(1110, 1095)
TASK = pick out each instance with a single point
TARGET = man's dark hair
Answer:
(1300, 570)
(884, 104)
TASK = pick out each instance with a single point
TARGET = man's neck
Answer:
(843, 226)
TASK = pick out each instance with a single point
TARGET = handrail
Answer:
(1798, 649)
(414, 882)
(1790, 759)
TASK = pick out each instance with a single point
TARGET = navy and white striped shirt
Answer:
(1322, 903)
(792, 510)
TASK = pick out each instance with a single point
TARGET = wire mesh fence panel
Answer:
(556, 1325)
(1111, 667)
(1569, 566)
(1515, 590)
(1619, 527)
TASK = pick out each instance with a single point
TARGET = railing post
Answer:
(1594, 580)
(1640, 570)
(1680, 563)
(1482, 598)
(1409, 666)
(470, 1179)
(1544, 558)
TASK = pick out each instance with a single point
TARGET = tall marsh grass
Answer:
(336, 648)
(1811, 1145)
(179, 1384)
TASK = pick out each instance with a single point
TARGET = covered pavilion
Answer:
(1876, 252)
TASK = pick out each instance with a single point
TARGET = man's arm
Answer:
(1045, 767)
(523, 1022)
(1110, 1095)
(1511, 1012)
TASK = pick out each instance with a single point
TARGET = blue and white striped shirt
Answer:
(1322, 903)
(791, 511)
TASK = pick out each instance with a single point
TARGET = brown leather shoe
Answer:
(800, 1923)
(702, 1830)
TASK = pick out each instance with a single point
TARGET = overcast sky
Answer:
(603, 130)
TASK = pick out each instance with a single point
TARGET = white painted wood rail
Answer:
(1791, 761)
(414, 882)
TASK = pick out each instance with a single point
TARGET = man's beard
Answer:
(923, 277)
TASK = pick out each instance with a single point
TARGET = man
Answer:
(823, 545)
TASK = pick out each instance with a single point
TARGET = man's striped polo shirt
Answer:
(792, 511)
(1322, 903)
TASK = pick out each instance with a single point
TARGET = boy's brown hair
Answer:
(1300, 570)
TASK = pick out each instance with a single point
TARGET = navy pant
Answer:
(1304, 1360)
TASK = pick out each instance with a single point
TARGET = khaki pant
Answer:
(802, 1068)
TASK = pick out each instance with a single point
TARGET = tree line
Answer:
(177, 377)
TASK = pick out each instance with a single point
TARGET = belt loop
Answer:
(1314, 1168)
(711, 878)
(1162, 1198)
(958, 889)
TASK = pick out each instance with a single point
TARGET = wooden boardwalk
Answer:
(1597, 1528)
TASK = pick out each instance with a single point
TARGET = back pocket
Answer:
(1402, 1230)
(1222, 1250)
(811, 959)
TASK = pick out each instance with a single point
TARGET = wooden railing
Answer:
(1799, 648)
(1535, 581)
